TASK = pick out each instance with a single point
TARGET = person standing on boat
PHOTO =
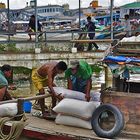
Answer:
(44, 76)
(127, 25)
(90, 26)
(31, 27)
(79, 77)
(5, 72)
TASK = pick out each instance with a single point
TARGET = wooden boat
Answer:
(41, 129)
(124, 93)
(127, 102)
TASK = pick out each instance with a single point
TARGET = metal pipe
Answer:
(36, 25)
(79, 14)
(8, 14)
(111, 17)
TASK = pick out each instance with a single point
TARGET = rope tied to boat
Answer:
(16, 128)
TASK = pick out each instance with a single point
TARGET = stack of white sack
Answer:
(74, 112)
(8, 110)
(67, 93)
(131, 39)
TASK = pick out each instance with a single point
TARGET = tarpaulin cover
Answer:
(123, 68)
(122, 59)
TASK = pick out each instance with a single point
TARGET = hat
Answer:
(74, 64)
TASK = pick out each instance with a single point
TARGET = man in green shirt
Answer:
(5, 72)
(79, 77)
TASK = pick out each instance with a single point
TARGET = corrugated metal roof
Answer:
(132, 5)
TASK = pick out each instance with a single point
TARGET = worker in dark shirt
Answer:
(90, 26)
(31, 28)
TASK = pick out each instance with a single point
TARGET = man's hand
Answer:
(59, 96)
(41, 91)
(12, 87)
(87, 98)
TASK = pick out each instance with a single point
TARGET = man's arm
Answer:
(69, 83)
(2, 93)
(51, 84)
(88, 88)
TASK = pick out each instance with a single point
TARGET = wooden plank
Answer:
(122, 50)
(129, 43)
(26, 99)
(36, 135)
(127, 54)
(129, 104)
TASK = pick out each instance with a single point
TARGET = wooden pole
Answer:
(26, 99)
(106, 77)
(20, 109)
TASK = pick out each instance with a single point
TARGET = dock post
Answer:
(106, 76)
(20, 109)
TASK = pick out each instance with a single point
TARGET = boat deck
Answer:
(49, 127)
(40, 129)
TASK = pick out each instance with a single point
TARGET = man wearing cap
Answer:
(79, 77)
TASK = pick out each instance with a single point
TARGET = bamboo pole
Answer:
(25, 99)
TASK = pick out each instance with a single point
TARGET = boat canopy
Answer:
(121, 65)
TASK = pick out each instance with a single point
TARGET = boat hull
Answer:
(129, 104)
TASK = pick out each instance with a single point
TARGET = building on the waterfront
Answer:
(132, 9)
(48, 11)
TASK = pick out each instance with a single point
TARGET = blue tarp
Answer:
(123, 69)
(121, 59)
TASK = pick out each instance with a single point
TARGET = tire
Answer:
(118, 121)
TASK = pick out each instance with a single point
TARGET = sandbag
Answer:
(76, 108)
(131, 39)
(8, 110)
(67, 93)
(73, 121)
(95, 96)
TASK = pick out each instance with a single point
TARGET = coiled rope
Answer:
(16, 128)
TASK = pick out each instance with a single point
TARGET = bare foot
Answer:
(49, 116)
(46, 115)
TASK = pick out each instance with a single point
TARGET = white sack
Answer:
(67, 93)
(137, 38)
(73, 121)
(76, 108)
(9, 109)
(129, 39)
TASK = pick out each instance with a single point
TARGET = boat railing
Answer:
(55, 41)
(52, 41)
(20, 102)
